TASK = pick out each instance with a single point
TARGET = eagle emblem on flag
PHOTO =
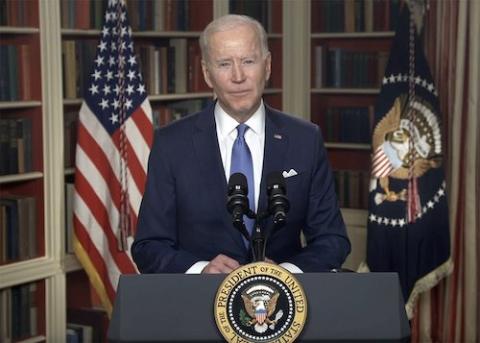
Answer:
(260, 302)
(400, 142)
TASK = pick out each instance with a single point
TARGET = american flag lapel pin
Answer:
(277, 136)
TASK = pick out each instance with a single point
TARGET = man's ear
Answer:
(206, 74)
(268, 66)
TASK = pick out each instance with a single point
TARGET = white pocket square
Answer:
(291, 173)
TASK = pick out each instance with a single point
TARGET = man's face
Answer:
(236, 70)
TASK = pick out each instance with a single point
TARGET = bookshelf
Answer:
(29, 264)
(349, 46)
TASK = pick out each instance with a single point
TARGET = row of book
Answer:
(352, 187)
(167, 15)
(82, 14)
(261, 10)
(69, 194)
(86, 325)
(15, 13)
(15, 73)
(70, 128)
(348, 124)
(342, 68)
(165, 68)
(77, 61)
(172, 67)
(18, 228)
(18, 313)
(166, 113)
(355, 15)
(143, 15)
(15, 145)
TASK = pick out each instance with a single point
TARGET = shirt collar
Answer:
(226, 124)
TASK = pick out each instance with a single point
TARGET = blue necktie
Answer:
(242, 163)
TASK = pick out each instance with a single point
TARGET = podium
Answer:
(342, 307)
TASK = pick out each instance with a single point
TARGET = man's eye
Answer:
(224, 64)
(248, 61)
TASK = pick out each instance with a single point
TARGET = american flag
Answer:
(115, 134)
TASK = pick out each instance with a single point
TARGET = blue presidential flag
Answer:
(408, 225)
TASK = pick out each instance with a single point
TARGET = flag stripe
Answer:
(99, 213)
(107, 152)
(95, 257)
(142, 140)
(134, 167)
(90, 153)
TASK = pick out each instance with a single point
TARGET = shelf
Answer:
(148, 34)
(354, 217)
(71, 264)
(18, 30)
(349, 146)
(184, 96)
(154, 98)
(335, 35)
(27, 271)
(170, 97)
(19, 104)
(33, 339)
(72, 101)
(140, 34)
(69, 171)
(20, 177)
(272, 91)
(331, 90)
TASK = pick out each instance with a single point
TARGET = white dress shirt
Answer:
(255, 138)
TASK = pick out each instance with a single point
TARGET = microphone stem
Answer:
(258, 244)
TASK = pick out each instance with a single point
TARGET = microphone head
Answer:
(237, 181)
(275, 180)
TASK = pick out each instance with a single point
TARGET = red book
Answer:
(82, 11)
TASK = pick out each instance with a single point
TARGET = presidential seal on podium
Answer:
(260, 302)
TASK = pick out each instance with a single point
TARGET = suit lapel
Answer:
(276, 145)
(205, 143)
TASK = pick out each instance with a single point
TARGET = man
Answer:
(184, 225)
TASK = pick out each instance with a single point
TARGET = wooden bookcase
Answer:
(29, 262)
(349, 46)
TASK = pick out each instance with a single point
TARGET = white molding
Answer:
(296, 58)
(52, 95)
(26, 271)
(220, 7)
(53, 152)
(56, 308)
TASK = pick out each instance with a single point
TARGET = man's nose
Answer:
(238, 74)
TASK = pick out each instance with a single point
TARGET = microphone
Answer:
(237, 200)
(278, 204)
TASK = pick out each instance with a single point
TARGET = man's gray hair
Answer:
(228, 22)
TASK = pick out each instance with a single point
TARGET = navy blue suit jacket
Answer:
(183, 217)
